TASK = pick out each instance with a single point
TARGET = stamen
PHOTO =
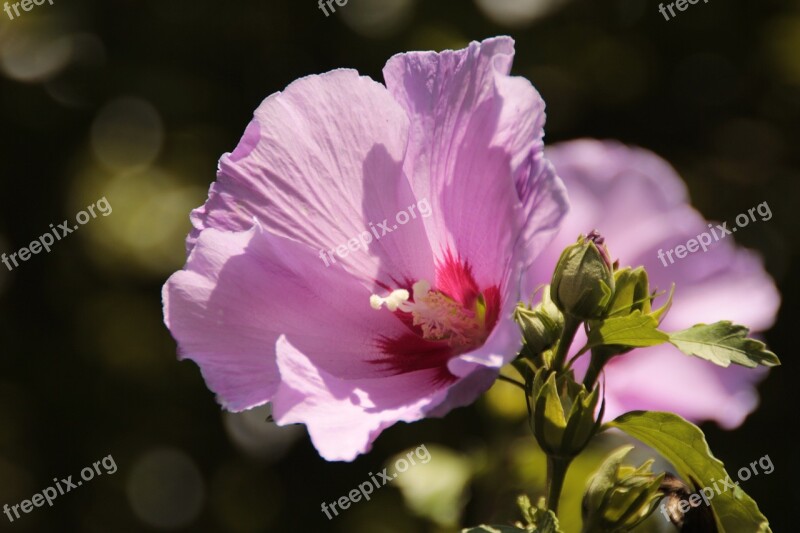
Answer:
(439, 317)
(392, 302)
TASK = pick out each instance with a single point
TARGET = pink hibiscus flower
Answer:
(640, 205)
(306, 287)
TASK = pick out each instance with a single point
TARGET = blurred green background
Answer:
(136, 100)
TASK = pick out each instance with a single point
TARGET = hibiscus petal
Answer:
(342, 416)
(218, 327)
(474, 131)
(320, 162)
(662, 379)
(476, 148)
(240, 291)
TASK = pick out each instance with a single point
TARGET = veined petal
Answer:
(240, 291)
(321, 163)
(475, 133)
(218, 327)
(326, 404)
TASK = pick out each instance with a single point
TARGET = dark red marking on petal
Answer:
(454, 278)
(406, 284)
(411, 352)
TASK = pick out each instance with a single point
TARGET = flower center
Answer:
(438, 316)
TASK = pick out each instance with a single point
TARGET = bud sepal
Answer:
(583, 281)
(542, 327)
(618, 498)
(562, 413)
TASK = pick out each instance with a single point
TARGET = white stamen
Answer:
(439, 317)
(392, 302)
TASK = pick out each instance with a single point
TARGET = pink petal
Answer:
(663, 379)
(345, 417)
(320, 162)
(218, 327)
(475, 146)
(240, 291)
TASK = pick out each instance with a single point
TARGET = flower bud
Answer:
(631, 292)
(562, 413)
(541, 326)
(583, 281)
(619, 497)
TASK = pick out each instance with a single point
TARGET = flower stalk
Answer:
(571, 325)
(556, 474)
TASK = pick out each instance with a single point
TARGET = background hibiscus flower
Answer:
(640, 205)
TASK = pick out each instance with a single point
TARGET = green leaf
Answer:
(634, 330)
(538, 518)
(723, 343)
(492, 529)
(684, 445)
(659, 313)
(547, 523)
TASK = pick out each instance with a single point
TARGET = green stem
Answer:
(596, 365)
(556, 473)
(513, 381)
(571, 326)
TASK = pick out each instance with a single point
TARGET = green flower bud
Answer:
(583, 281)
(562, 413)
(619, 497)
(631, 292)
(541, 326)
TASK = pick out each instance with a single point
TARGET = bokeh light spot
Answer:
(165, 489)
(34, 56)
(256, 437)
(127, 133)
(518, 13)
(377, 18)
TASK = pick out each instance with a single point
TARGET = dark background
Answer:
(135, 101)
